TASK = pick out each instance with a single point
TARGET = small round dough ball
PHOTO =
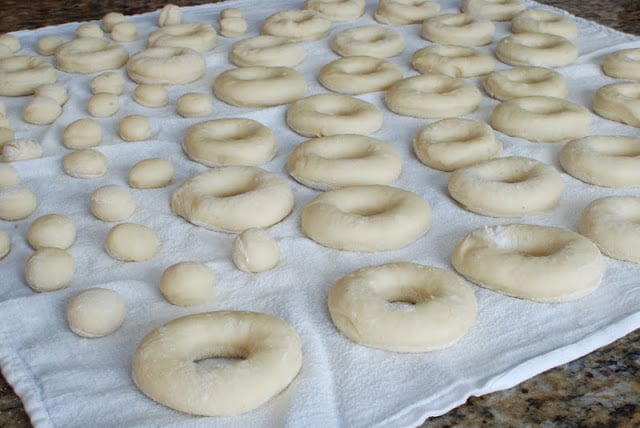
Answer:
(52, 230)
(169, 15)
(151, 95)
(194, 104)
(47, 45)
(151, 174)
(254, 251)
(135, 128)
(8, 175)
(124, 32)
(110, 83)
(103, 105)
(16, 202)
(41, 111)
(86, 163)
(89, 30)
(5, 243)
(11, 42)
(111, 19)
(49, 269)
(129, 242)
(53, 91)
(82, 134)
(187, 284)
(95, 312)
(112, 203)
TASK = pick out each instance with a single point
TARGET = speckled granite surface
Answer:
(601, 389)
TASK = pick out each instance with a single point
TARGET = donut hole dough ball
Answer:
(369, 40)
(85, 163)
(259, 86)
(404, 12)
(96, 312)
(41, 111)
(5, 244)
(610, 161)
(619, 102)
(344, 160)
(337, 10)
(539, 263)
(255, 251)
(21, 75)
(432, 96)
(111, 19)
(17, 150)
(232, 23)
(82, 134)
(89, 30)
(103, 105)
(129, 242)
(223, 142)
(194, 104)
(495, 10)
(233, 198)
(458, 29)
(613, 224)
(166, 66)
(110, 83)
(507, 187)
(402, 307)
(151, 95)
(623, 64)
(544, 21)
(268, 51)
(297, 25)
(53, 91)
(47, 45)
(449, 144)
(124, 32)
(359, 74)
(538, 118)
(112, 203)
(200, 37)
(546, 50)
(135, 128)
(169, 15)
(187, 284)
(90, 55)
(366, 218)
(525, 81)
(8, 175)
(454, 61)
(267, 349)
(49, 269)
(52, 230)
(151, 173)
(10, 42)
(333, 114)
(16, 202)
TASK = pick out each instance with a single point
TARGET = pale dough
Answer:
(135, 127)
(297, 25)
(111, 19)
(52, 230)
(53, 91)
(103, 105)
(166, 66)
(368, 40)
(8, 175)
(41, 110)
(96, 312)
(619, 102)
(355, 75)
(187, 284)
(454, 61)
(544, 21)
(47, 45)
(82, 134)
(124, 32)
(540, 49)
(16, 202)
(200, 37)
(194, 104)
(169, 15)
(458, 29)
(268, 51)
(495, 10)
(17, 150)
(255, 251)
(337, 10)
(49, 269)
(525, 81)
(623, 64)
(151, 173)
(111, 83)
(89, 55)
(21, 75)
(85, 163)
(112, 203)
(404, 12)
(89, 30)
(232, 23)
(130, 242)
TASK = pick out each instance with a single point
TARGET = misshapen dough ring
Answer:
(368, 40)
(21, 75)
(612, 223)
(268, 51)
(90, 55)
(507, 187)
(344, 160)
(610, 161)
(403, 12)
(259, 86)
(366, 218)
(495, 10)
(619, 102)
(544, 21)
(166, 66)
(525, 81)
(359, 74)
(540, 263)
(537, 118)
(233, 198)
(332, 114)
(546, 50)
(454, 61)
(402, 307)
(337, 10)
(297, 25)
(432, 96)
(458, 29)
(200, 37)
(229, 142)
(269, 353)
(624, 64)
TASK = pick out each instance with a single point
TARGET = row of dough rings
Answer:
(366, 306)
(404, 12)
(21, 75)
(619, 102)
(200, 37)
(165, 364)
(359, 74)
(611, 161)
(259, 86)
(538, 118)
(337, 10)
(525, 81)
(269, 51)
(368, 40)
(507, 187)
(229, 142)
(623, 64)
(546, 50)
(366, 218)
(344, 160)
(454, 61)
(432, 96)
(90, 55)
(544, 21)
(297, 25)
(233, 198)
(458, 29)
(166, 66)
(540, 263)
(332, 114)
(500, 10)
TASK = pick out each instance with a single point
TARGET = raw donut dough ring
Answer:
(494, 10)
(21, 75)
(355, 75)
(507, 187)
(297, 25)
(612, 224)
(268, 51)
(366, 218)
(404, 12)
(539, 263)
(223, 142)
(166, 369)
(233, 198)
(458, 29)
(545, 50)
(544, 21)
(333, 114)
(623, 64)
(454, 61)
(89, 55)
(166, 66)
(337, 10)
(619, 102)
(200, 37)
(344, 160)
(525, 81)
(368, 40)
(610, 161)
(402, 307)
(537, 118)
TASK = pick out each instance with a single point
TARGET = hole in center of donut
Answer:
(215, 362)
(235, 189)
(403, 304)
(514, 179)
(369, 210)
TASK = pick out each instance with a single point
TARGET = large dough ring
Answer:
(359, 74)
(495, 10)
(166, 66)
(268, 51)
(540, 263)
(366, 218)
(297, 25)
(545, 50)
(623, 64)
(368, 40)
(21, 75)
(267, 349)
(233, 198)
(525, 81)
(403, 307)
(458, 29)
(544, 21)
(404, 12)
(619, 102)
(90, 55)
(454, 61)
(200, 37)
(337, 10)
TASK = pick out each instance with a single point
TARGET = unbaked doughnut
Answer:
(200, 37)
(95, 312)
(194, 104)
(103, 105)
(355, 75)
(112, 203)
(124, 32)
(623, 64)
(169, 15)
(611, 161)
(151, 174)
(187, 284)
(17, 150)
(47, 45)
(525, 81)
(537, 118)
(255, 251)
(111, 19)
(16, 202)
(449, 144)
(268, 51)
(333, 114)
(166, 66)
(111, 83)
(233, 198)
(540, 263)
(54, 91)
(49, 269)
(544, 21)
(129, 242)
(454, 61)
(8, 175)
(232, 23)
(82, 134)
(432, 96)
(229, 142)
(403, 12)
(344, 160)
(89, 30)
(85, 163)
(495, 10)
(21, 75)
(10, 42)
(90, 55)
(366, 218)
(52, 230)
(135, 127)
(267, 349)
(151, 95)
(368, 40)
(458, 29)
(5, 244)
(402, 307)
(546, 50)
(41, 110)
(337, 10)
(297, 25)
(619, 102)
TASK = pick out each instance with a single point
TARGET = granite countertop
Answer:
(601, 389)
